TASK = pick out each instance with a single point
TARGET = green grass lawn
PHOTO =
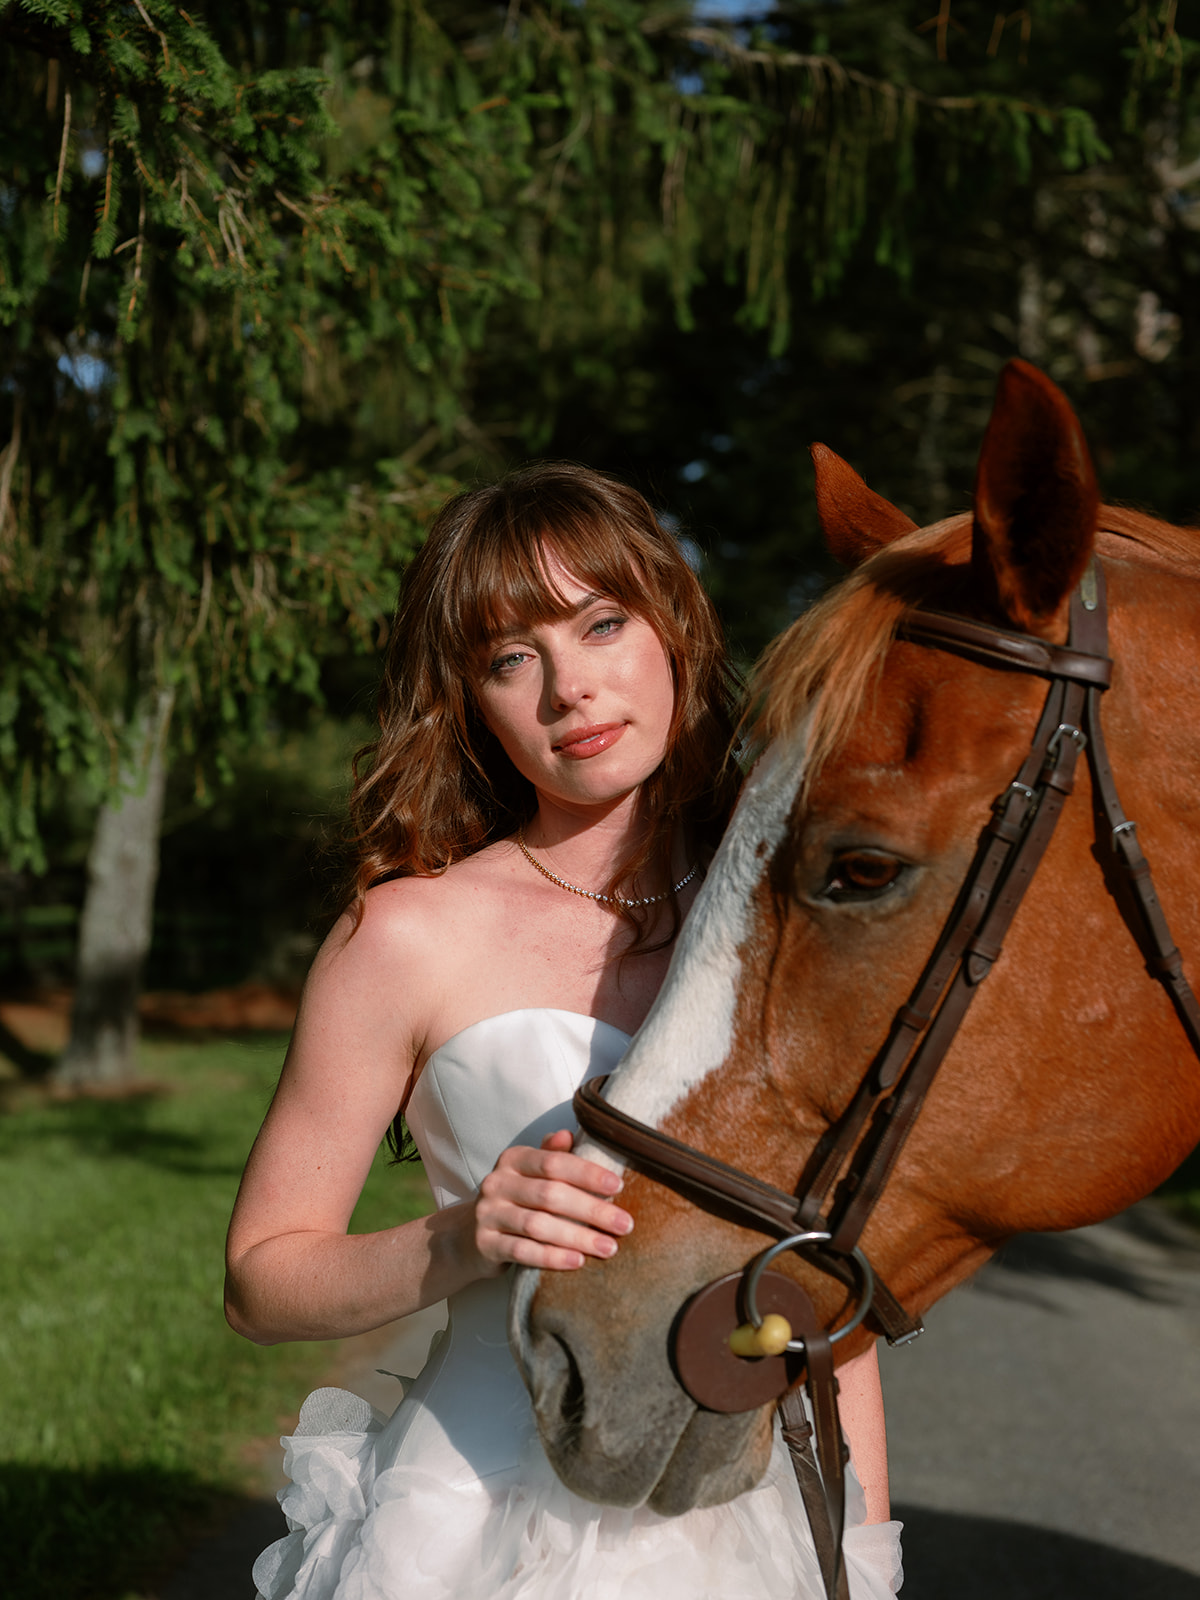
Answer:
(126, 1402)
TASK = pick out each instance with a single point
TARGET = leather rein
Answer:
(824, 1223)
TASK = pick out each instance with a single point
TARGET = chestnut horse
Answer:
(1071, 1088)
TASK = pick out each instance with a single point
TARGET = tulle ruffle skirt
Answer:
(369, 1524)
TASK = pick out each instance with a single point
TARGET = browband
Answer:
(997, 647)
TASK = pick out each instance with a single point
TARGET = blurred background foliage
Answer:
(275, 280)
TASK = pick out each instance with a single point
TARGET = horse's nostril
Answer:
(603, 1447)
(558, 1396)
(570, 1399)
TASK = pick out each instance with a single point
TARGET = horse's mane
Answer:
(1177, 547)
(829, 660)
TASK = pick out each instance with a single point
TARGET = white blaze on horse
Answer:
(898, 757)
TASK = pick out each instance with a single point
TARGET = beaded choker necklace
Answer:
(590, 894)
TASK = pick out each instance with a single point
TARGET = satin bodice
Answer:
(505, 1080)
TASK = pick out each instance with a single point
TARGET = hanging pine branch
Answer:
(249, 257)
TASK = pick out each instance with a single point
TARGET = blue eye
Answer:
(504, 663)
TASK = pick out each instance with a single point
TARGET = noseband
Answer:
(764, 1360)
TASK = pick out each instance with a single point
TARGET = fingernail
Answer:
(624, 1222)
(608, 1247)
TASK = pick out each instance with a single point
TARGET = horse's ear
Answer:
(1036, 501)
(855, 520)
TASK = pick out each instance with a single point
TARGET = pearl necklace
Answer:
(590, 894)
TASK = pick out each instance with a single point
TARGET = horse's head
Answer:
(1070, 1089)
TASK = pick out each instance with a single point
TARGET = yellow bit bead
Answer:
(743, 1341)
(774, 1334)
(771, 1339)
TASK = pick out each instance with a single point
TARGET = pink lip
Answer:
(583, 742)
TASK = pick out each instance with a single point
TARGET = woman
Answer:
(532, 828)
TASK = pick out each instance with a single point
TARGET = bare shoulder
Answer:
(383, 990)
(413, 944)
(403, 918)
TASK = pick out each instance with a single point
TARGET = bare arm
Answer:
(292, 1271)
(861, 1405)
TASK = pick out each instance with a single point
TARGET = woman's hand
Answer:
(547, 1208)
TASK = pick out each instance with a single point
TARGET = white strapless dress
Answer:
(452, 1498)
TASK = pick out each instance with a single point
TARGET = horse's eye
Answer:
(861, 875)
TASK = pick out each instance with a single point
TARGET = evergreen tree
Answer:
(1089, 269)
(258, 264)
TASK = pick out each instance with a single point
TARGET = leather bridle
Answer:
(824, 1220)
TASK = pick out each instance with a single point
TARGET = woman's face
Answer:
(582, 707)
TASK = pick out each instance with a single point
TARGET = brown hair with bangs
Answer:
(436, 785)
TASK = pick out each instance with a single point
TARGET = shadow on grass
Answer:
(220, 1567)
(114, 1127)
(103, 1534)
(948, 1556)
(33, 1065)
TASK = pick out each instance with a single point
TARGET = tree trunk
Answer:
(115, 925)
(931, 446)
(1031, 312)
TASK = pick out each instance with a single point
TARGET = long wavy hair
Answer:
(436, 785)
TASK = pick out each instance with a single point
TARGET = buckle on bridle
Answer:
(902, 1339)
(1076, 735)
(1063, 749)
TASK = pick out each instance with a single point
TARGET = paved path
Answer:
(1044, 1434)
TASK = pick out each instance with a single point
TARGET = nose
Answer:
(568, 681)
